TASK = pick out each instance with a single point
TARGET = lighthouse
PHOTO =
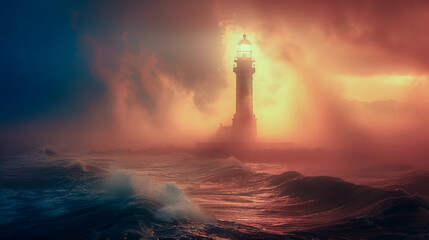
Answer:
(242, 133)
(243, 127)
(244, 121)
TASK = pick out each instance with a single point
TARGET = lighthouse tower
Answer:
(243, 129)
(244, 121)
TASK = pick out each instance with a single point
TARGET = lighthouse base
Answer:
(243, 130)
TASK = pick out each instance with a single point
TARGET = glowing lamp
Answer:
(244, 48)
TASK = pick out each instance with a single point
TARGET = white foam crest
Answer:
(174, 203)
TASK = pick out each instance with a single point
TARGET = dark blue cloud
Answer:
(42, 69)
(50, 90)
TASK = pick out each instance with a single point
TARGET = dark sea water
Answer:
(52, 195)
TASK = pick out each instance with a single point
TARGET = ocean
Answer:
(49, 194)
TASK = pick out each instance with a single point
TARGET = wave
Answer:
(283, 178)
(323, 193)
(172, 201)
(51, 198)
(230, 174)
(61, 196)
(357, 210)
(37, 173)
(49, 151)
(414, 183)
(392, 218)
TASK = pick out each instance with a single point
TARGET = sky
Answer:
(105, 74)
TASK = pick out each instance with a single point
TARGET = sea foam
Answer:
(172, 201)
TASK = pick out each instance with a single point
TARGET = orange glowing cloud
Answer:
(150, 106)
(326, 76)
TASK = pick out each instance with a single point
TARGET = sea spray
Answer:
(173, 202)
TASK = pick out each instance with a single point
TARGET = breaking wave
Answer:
(51, 198)
(171, 200)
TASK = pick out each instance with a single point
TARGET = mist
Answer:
(334, 75)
